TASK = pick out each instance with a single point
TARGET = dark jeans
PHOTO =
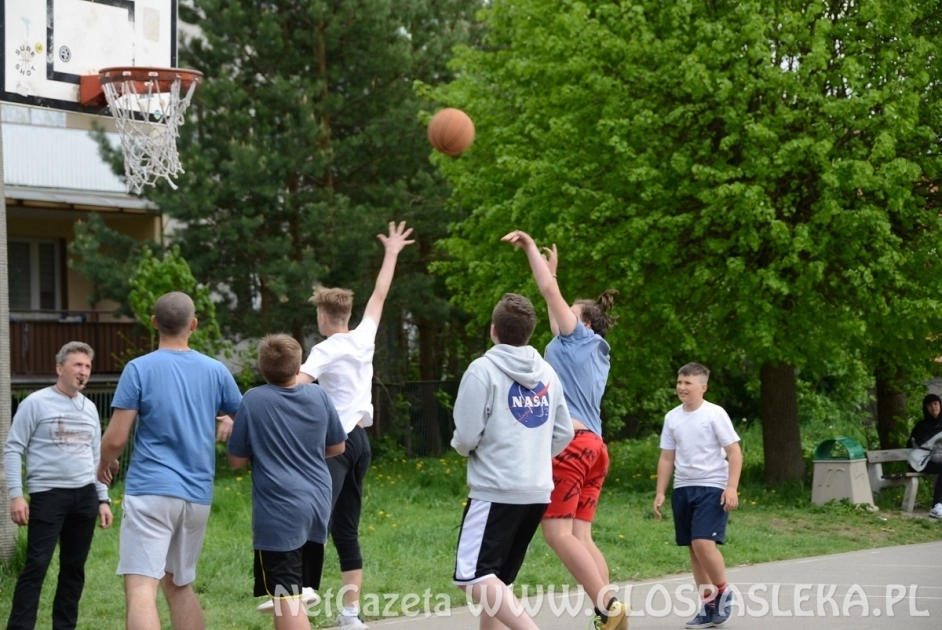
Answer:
(347, 472)
(66, 515)
(934, 468)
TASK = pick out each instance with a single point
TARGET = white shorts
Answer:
(161, 535)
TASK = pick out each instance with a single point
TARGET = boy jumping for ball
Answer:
(287, 430)
(343, 365)
(701, 448)
(511, 420)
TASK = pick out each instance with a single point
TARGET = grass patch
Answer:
(412, 509)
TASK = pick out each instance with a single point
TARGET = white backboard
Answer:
(49, 44)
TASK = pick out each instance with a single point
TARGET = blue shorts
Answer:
(698, 513)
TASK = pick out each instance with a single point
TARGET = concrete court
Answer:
(893, 587)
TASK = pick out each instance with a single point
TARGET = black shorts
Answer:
(698, 514)
(493, 540)
(280, 574)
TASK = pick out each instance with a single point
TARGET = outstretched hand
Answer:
(519, 238)
(396, 241)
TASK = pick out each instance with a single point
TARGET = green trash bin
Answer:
(840, 472)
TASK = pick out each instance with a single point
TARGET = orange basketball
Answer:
(451, 131)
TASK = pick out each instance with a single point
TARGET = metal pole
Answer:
(8, 529)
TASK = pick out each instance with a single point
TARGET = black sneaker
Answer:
(723, 609)
(704, 618)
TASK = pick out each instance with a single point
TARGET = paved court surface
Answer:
(893, 587)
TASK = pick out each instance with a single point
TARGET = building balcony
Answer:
(36, 337)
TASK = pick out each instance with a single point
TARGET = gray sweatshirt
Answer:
(510, 421)
(61, 440)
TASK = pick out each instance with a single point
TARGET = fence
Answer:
(413, 418)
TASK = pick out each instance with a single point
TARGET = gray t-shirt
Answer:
(285, 432)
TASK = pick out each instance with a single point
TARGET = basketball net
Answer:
(148, 115)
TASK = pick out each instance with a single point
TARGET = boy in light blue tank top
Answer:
(580, 356)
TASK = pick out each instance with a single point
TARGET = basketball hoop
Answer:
(149, 105)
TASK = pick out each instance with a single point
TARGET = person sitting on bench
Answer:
(925, 443)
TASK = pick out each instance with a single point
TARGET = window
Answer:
(35, 275)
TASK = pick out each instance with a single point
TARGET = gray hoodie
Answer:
(510, 421)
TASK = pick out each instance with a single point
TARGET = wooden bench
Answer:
(879, 480)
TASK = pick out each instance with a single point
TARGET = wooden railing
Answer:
(35, 342)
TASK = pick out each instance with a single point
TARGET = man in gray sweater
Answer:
(58, 431)
(510, 421)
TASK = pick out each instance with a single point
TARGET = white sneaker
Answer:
(309, 598)
(352, 623)
(936, 511)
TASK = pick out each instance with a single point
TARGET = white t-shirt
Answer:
(343, 365)
(698, 439)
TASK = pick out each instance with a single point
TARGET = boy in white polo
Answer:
(701, 448)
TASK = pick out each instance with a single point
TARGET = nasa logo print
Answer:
(529, 406)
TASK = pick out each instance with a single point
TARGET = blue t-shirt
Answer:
(285, 432)
(581, 360)
(177, 395)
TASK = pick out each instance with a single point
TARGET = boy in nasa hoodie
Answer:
(510, 421)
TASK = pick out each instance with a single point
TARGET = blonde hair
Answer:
(336, 304)
(279, 358)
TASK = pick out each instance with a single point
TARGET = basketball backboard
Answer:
(49, 44)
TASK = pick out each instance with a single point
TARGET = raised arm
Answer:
(560, 313)
(394, 243)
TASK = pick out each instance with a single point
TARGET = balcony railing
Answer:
(36, 337)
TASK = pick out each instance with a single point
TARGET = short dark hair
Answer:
(279, 358)
(514, 319)
(174, 311)
(695, 369)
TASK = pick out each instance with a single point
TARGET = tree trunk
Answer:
(891, 405)
(8, 529)
(781, 439)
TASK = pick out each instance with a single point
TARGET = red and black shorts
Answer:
(578, 475)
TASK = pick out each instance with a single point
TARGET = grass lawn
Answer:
(412, 509)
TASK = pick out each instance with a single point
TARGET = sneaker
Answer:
(723, 609)
(309, 598)
(936, 511)
(704, 618)
(617, 617)
(352, 623)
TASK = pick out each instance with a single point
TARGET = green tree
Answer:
(307, 139)
(758, 179)
(108, 259)
(306, 142)
(155, 277)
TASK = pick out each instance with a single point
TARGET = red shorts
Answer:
(578, 474)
